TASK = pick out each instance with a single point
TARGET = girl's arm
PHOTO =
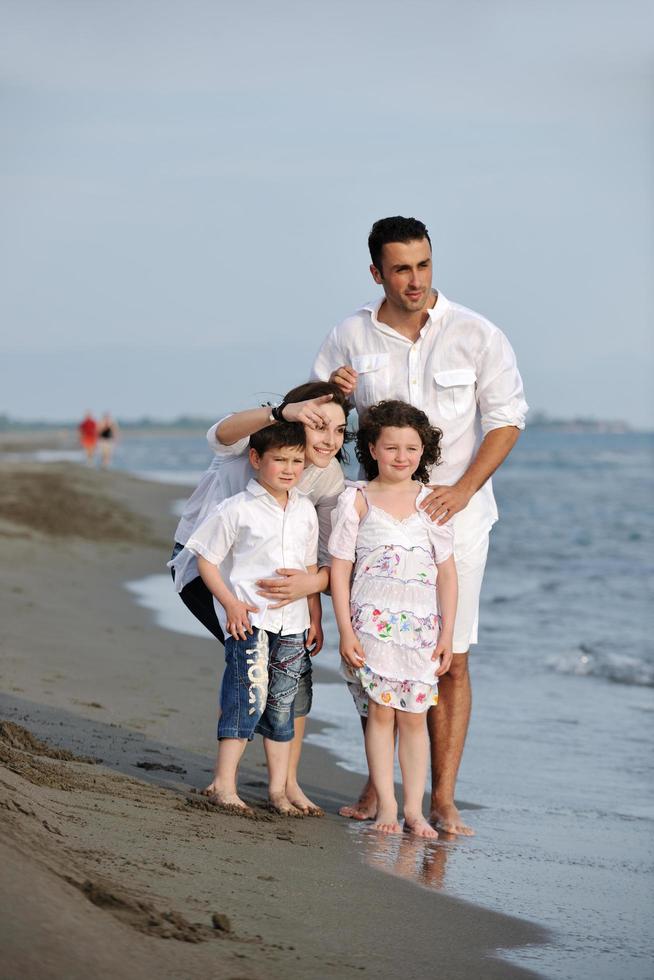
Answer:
(238, 623)
(241, 425)
(350, 649)
(448, 590)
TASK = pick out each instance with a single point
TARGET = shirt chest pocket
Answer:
(372, 383)
(455, 392)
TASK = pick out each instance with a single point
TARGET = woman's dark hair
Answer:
(278, 436)
(401, 416)
(316, 389)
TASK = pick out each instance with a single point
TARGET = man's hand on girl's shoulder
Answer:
(444, 502)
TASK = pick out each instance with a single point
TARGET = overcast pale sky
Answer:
(187, 188)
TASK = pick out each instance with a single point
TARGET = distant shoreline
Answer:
(14, 428)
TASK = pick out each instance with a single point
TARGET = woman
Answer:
(322, 408)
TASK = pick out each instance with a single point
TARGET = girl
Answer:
(391, 633)
(322, 408)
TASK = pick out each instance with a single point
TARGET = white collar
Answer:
(255, 488)
(434, 314)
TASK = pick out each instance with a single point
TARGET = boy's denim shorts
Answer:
(266, 685)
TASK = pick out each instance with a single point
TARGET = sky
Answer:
(186, 190)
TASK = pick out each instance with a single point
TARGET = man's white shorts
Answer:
(470, 570)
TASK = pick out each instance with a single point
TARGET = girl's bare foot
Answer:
(302, 802)
(419, 826)
(387, 822)
(446, 817)
(280, 803)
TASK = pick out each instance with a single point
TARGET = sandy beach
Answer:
(112, 865)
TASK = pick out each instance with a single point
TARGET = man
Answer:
(415, 345)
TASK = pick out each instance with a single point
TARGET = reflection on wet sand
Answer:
(405, 856)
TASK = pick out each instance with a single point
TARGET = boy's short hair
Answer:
(395, 229)
(277, 436)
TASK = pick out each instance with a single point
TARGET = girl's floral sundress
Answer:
(393, 600)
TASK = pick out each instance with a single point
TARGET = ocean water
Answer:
(558, 763)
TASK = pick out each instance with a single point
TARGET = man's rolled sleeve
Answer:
(500, 391)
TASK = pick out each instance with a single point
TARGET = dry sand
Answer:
(112, 867)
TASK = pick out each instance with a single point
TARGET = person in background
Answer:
(415, 345)
(107, 435)
(88, 437)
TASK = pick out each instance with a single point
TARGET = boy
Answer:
(267, 678)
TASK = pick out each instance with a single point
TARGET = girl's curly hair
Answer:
(402, 416)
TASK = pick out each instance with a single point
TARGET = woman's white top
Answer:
(249, 536)
(229, 473)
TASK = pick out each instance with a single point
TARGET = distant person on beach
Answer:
(88, 437)
(395, 628)
(415, 345)
(107, 435)
(322, 408)
(266, 648)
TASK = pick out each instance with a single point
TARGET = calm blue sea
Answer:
(559, 756)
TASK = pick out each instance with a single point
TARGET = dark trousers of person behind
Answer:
(197, 598)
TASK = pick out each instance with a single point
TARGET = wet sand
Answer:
(111, 865)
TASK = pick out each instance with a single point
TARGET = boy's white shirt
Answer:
(248, 537)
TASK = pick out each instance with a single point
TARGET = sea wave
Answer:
(588, 661)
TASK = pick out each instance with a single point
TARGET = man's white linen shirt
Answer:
(461, 371)
(248, 537)
(228, 474)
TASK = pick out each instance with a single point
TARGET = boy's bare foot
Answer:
(280, 803)
(387, 822)
(230, 802)
(302, 802)
(419, 826)
(446, 817)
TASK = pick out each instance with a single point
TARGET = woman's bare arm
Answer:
(241, 425)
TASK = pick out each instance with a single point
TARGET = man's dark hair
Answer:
(397, 229)
(400, 415)
(278, 436)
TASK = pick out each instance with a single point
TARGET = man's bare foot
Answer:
(446, 817)
(365, 808)
(230, 802)
(302, 802)
(419, 826)
(387, 822)
(280, 803)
